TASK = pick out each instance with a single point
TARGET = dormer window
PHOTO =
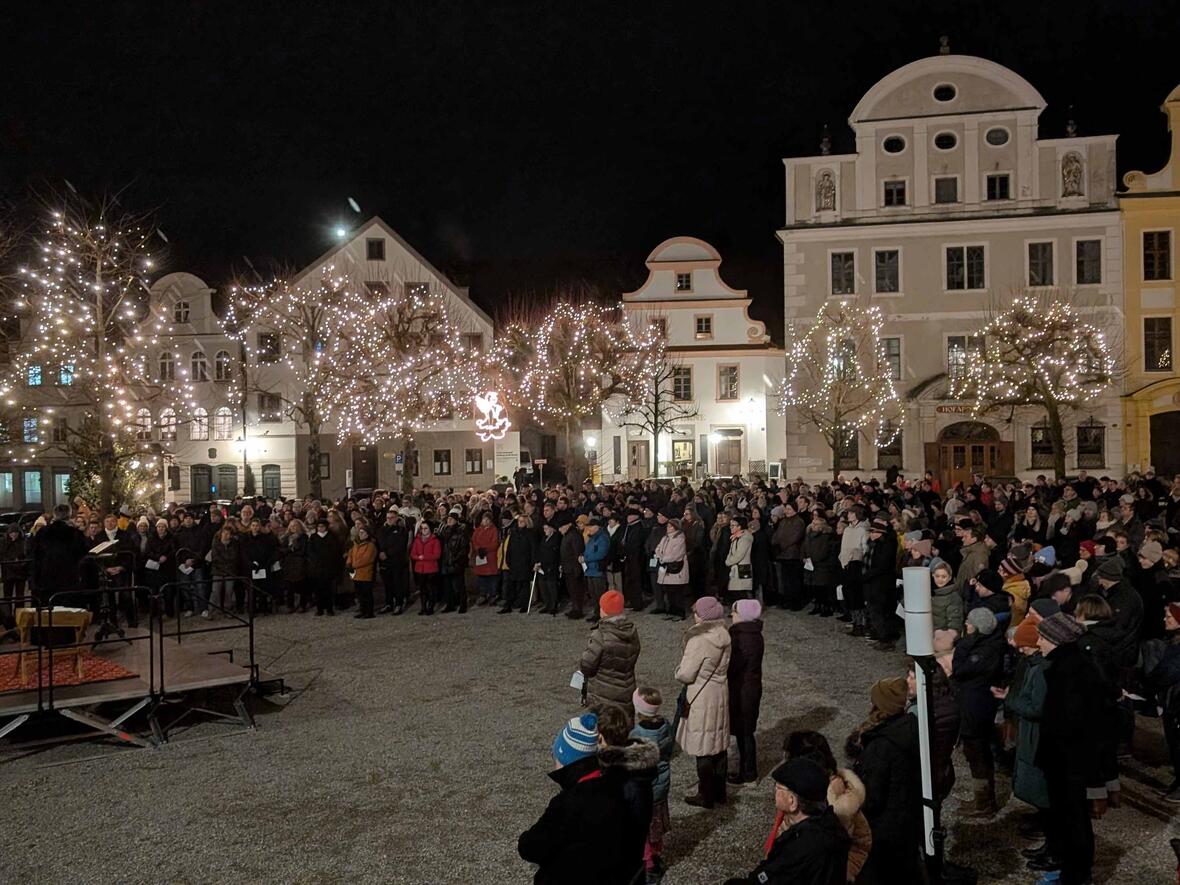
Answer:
(945, 92)
(180, 312)
(683, 282)
(375, 249)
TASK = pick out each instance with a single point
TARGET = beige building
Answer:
(951, 204)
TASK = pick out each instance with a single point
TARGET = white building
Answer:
(951, 204)
(724, 369)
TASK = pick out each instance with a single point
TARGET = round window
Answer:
(997, 136)
(894, 144)
(944, 141)
(945, 92)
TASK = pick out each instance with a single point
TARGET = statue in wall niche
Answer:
(1071, 175)
(825, 192)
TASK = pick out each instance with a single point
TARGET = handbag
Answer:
(745, 571)
(672, 568)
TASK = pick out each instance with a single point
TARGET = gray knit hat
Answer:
(983, 620)
(1060, 629)
(1111, 569)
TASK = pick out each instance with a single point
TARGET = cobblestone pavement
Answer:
(415, 750)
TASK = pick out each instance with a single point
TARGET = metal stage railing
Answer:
(159, 686)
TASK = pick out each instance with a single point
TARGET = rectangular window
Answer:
(375, 249)
(325, 465)
(442, 462)
(946, 190)
(847, 449)
(846, 360)
(727, 382)
(891, 356)
(65, 375)
(61, 487)
(887, 271)
(1157, 344)
(703, 325)
(29, 432)
(965, 268)
(843, 273)
(33, 376)
(1091, 445)
(999, 186)
(958, 348)
(1157, 255)
(1040, 264)
(414, 461)
(895, 193)
(1088, 267)
(659, 325)
(31, 483)
(473, 341)
(61, 429)
(473, 460)
(1041, 455)
(269, 347)
(889, 455)
(376, 288)
(617, 453)
(417, 290)
(270, 408)
(684, 282)
(6, 490)
(682, 383)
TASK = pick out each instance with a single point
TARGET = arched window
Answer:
(180, 312)
(167, 366)
(199, 429)
(200, 366)
(168, 425)
(223, 424)
(143, 424)
(222, 366)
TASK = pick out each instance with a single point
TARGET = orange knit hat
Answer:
(611, 603)
(1026, 634)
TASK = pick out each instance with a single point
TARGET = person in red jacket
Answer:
(425, 553)
(485, 543)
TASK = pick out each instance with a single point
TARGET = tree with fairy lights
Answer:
(1037, 353)
(403, 367)
(838, 380)
(565, 364)
(81, 382)
(290, 334)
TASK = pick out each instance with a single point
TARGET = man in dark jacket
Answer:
(978, 665)
(57, 552)
(586, 835)
(787, 545)
(549, 567)
(1069, 748)
(191, 548)
(572, 547)
(813, 849)
(880, 581)
(519, 560)
(393, 556)
(631, 553)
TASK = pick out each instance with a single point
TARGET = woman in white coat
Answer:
(741, 568)
(703, 731)
(672, 571)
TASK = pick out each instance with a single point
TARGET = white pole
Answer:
(919, 642)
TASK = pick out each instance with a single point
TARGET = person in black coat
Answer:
(745, 685)
(572, 548)
(821, 550)
(325, 561)
(630, 552)
(880, 583)
(57, 553)
(260, 549)
(453, 565)
(1069, 748)
(293, 566)
(888, 765)
(161, 550)
(813, 849)
(978, 664)
(521, 555)
(393, 558)
(586, 836)
(549, 567)
(760, 560)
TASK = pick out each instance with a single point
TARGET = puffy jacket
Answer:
(704, 668)
(485, 541)
(787, 540)
(823, 548)
(946, 606)
(362, 559)
(671, 549)
(661, 736)
(1026, 702)
(425, 553)
(608, 663)
(454, 549)
(892, 778)
(978, 664)
(745, 676)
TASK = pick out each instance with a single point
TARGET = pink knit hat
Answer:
(708, 608)
(748, 609)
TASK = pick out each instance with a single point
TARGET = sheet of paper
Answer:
(152, 565)
(184, 570)
(585, 566)
(840, 592)
(481, 560)
(277, 567)
(808, 565)
(258, 574)
(577, 680)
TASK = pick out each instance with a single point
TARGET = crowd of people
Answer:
(1056, 622)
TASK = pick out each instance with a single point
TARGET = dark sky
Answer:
(515, 144)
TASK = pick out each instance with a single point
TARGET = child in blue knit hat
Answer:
(651, 726)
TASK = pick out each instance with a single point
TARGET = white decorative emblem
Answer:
(494, 424)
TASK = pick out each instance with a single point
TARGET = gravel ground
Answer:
(415, 750)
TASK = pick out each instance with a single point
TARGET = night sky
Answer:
(517, 145)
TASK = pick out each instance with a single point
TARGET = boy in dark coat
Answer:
(978, 665)
(745, 685)
(880, 583)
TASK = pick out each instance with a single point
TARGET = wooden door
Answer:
(959, 460)
(364, 467)
(729, 457)
(638, 459)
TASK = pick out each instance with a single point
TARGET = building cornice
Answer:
(915, 227)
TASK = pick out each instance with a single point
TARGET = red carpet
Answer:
(65, 672)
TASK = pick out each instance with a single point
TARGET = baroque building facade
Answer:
(950, 205)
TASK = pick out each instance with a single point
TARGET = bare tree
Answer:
(838, 380)
(659, 403)
(83, 381)
(1037, 353)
